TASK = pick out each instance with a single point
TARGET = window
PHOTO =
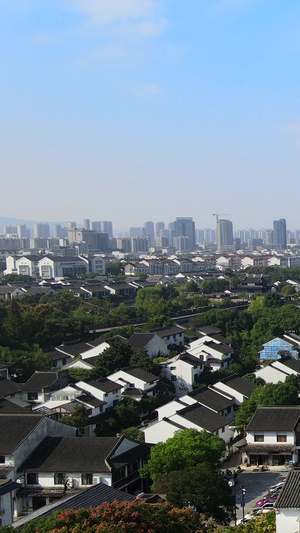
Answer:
(59, 479)
(32, 395)
(223, 429)
(281, 438)
(86, 479)
(173, 378)
(259, 438)
(32, 479)
(228, 410)
(2, 459)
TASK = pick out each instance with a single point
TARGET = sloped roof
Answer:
(39, 381)
(240, 384)
(8, 387)
(290, 362)
(91, 497)
(211, 398)
(289, 496)
(14, 428)
(279, 418)
(203, 417)
(71, 454)
(138, 341)
(105, 385)
(139, 373)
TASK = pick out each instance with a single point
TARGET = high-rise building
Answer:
(106, 227)
(10, 230)
(279, 234)
(159, 226)
(149, 231)
(224, 235)
(87, 223)
(185, 227)
(136, 232)
(41, 230)
(22, 231)
(60, 232)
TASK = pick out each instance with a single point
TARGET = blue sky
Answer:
(134, 110)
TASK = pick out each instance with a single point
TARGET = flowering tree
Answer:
(135, 517)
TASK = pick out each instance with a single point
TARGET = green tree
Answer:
(112, 359)
(185, 450)
(142, 359)
(78, 419)
(202, 487)
(134, 434)
(13, 323)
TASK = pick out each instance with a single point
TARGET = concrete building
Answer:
(185, 227)
(41, 230)
(224, 235)
(279, 234)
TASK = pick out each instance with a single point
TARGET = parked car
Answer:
(266, 506)
(277, 487)
(266, 499)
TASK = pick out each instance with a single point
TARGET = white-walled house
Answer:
(60, 464)
(273, 436)
(287, 506)
(133, 377)
(103, 389)
(211, 351)
(152, 343)
(194, 416)
(183, 370)
(236, 386)
(20, 435)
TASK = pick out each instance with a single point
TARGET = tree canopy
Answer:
(186, 449)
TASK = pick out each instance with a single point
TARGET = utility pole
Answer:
(243, 501)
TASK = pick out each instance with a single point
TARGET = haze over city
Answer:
(141, 110)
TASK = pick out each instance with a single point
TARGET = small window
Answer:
(32, 395)
(223, 429)
(86, 479)
(281, 438)
(2, 459)
(59, 479)
(173, 378)
(259, 438)
(32, 479)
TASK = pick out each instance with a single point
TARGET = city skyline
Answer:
(130, 107)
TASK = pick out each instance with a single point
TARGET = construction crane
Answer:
(222, 215)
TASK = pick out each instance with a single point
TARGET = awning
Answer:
(269, 448)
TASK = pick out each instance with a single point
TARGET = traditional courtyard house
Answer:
(135, 380)
(184, 371)
(152, 343)
(59, 464)
(236, 386)
(273, 436)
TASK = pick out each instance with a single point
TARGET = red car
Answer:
(265, 500)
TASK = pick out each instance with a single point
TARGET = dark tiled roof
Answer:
(71, 455)
(138, 341)
(203, 417)
(8, 387)
(39, 381)
(8, 486)
(221, 339)
(283, 418)
(14, 428)
(105, 385)
(191, 359)
(212, 399)
(140, 451)
(5, 470)
(139, 373)
(173, 330)
(290, 362)
(209, 330)
(91, 497)
(74, 349)
(222, 348)
(90, 400)
(289, 496)
(6, 406)
(241, 385)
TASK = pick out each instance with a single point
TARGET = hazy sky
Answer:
(134, 110)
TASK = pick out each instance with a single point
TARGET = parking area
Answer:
(256, 485)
